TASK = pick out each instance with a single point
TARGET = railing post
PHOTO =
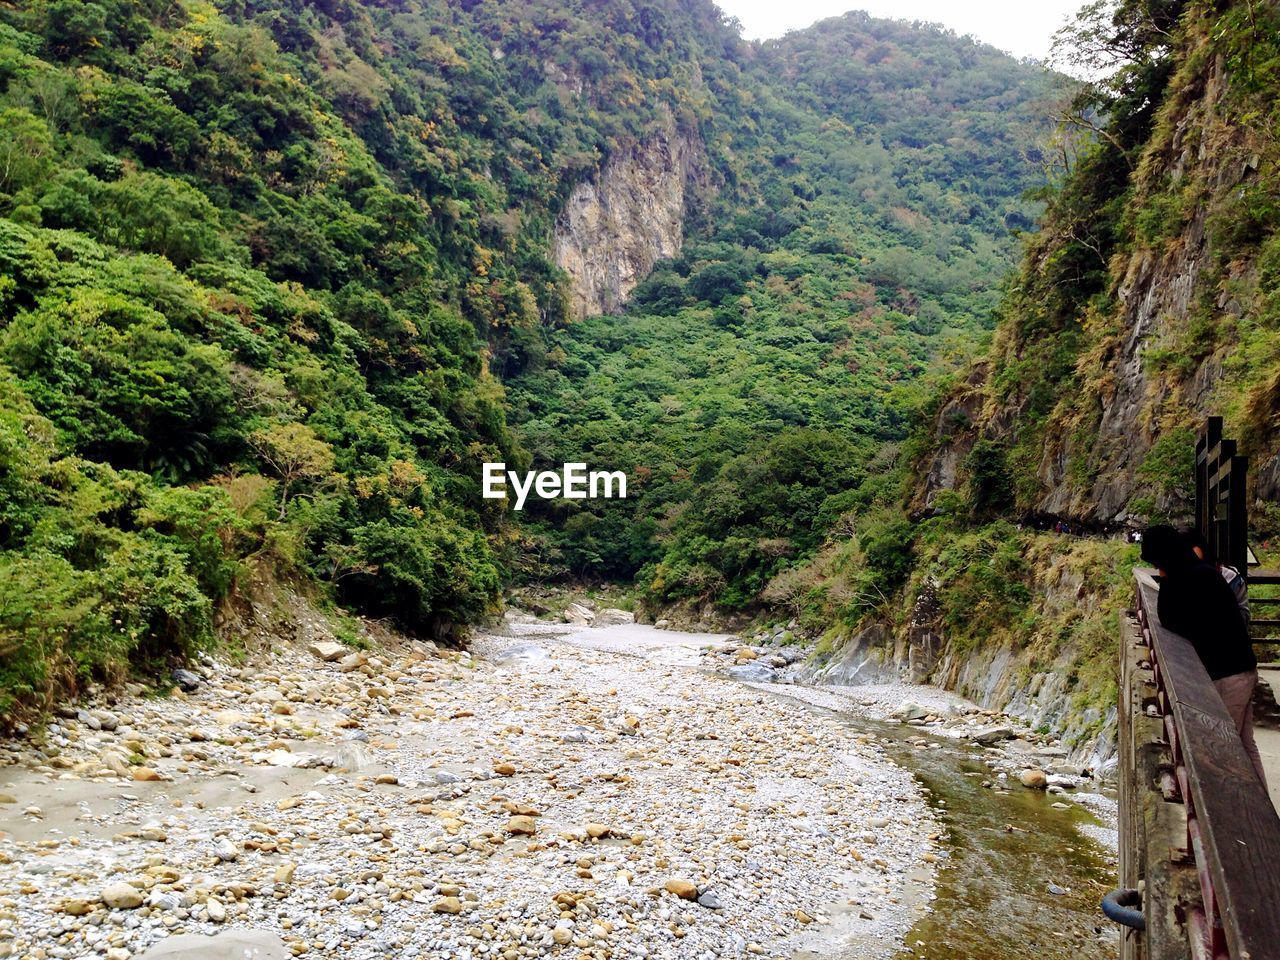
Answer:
(1151, 817)
(1237, 552)
(1221, 508)
(1205, 446)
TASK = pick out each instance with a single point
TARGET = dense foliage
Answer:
(1188, 87)
(1170, 176)
(265, 265)
(753, 380)
(256, 259)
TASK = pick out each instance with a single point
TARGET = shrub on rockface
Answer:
(985, 582)
(427, 574)
(990, 481)
(887, 540)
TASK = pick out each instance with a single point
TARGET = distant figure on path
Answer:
(1196, 602)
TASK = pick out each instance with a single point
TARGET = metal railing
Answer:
(1233, 831)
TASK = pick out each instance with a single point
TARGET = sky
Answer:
(1021, 27)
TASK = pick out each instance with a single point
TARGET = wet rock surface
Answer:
(547, 794)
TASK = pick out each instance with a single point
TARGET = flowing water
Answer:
(1021, 879)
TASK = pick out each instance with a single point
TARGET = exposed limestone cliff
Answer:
(615, 227)
(1146, 303)
(1161, 289)
(1054, 671)
(953, 437)
(995, 678)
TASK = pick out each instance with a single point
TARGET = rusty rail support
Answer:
(1221, 515)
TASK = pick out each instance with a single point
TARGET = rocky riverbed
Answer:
(1016, 756)
(1028, 831)
(542, 795)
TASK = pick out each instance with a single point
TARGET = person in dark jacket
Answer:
(1196, 602)
(1235, 579)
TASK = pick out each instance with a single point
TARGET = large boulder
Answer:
(991, 736)
(684, 889)
(578, 615)
(122, 896)
(328, 651)
(755, 672)
(909, 711)
(612, 616)
(1034, 779)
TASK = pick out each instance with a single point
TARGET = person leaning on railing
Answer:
(1234, 578)
(1196, 602)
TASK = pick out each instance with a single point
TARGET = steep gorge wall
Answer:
(1162, 290)
(996, 679)
(616, 226)
(1052, 672)
(1148, 301)
(1167, 344)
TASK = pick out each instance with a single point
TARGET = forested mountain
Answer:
(266, 266)
(1147, 302)
(255, 262)
(754, 380)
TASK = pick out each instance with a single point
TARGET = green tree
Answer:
(990, 482)
(26, 149)
(162, 215)
(294, 453)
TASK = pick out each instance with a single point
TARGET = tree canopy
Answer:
(276, 277)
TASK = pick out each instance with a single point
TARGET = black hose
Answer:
(1119, 906)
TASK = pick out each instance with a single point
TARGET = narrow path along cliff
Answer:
(544, 794)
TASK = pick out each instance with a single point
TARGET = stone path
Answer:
(543, 798)
(1269, 743)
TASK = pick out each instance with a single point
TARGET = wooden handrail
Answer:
(1233, 831)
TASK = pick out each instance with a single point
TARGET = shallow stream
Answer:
(1021, 878)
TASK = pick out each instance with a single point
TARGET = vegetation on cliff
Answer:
(256, 262)
(264, 265)
(1145, 302)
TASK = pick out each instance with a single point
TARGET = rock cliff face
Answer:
(1160, 290)
(1039, 685)
(615, 227)
(1166, 349)
(1145, 304)
(997, 679)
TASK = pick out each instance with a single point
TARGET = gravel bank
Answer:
(543, 798)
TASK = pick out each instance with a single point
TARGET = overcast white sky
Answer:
(1022, 27)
